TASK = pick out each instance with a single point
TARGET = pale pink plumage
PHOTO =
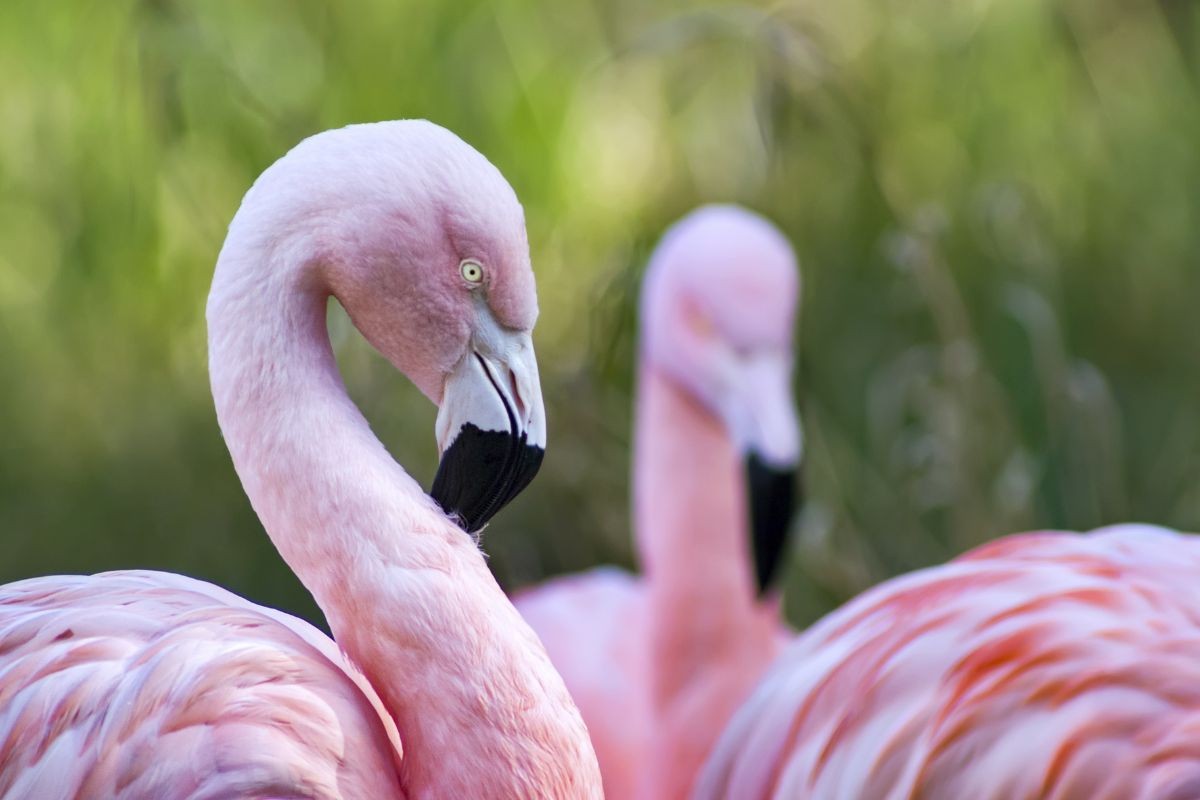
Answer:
(658, 665)
(1047, 666)
(594, 628)
(152, 685)
(155, 687)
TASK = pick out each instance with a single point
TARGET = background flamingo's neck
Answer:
(710, 638)
(407, 594)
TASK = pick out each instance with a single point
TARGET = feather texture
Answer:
(194, 693)
(1046, 665)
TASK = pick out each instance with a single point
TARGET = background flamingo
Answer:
(658, 666)
(1045, 665)
(150, 685)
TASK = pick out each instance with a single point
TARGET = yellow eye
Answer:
(472, 271)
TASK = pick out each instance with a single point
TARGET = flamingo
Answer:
(659, 665)
(149, 685)
(1049, 665)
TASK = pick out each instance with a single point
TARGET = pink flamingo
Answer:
(149, 685)
(1042, 666)
(658, 666)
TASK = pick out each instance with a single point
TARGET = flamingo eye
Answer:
(472, 271)
(700, 323)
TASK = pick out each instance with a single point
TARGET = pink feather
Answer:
(147, 684)
(1047, 665)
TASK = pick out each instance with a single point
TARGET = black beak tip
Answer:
(772, 497)
(480, 472)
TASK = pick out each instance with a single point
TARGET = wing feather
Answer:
(1046, 665)
(152, 686)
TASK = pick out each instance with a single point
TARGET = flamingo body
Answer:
(1045, 666)
(206, 694)
(593, 626)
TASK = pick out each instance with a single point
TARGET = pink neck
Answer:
(479, 708)
(710, 637)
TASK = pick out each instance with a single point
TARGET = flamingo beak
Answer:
(491, 428)
(773, 496)
(762, 415)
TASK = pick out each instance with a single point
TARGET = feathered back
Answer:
(1045, 665)
(148, 685)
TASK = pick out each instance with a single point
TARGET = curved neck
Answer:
(710, 638)
(407, 594)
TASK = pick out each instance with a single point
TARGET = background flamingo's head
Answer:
(718, 312)
(423, 242)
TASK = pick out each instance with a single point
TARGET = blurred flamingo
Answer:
(1048, 666)
(149, 685)
(658, 665)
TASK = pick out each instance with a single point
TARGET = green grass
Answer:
(996, 205)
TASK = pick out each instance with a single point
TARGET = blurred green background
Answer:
(996, 205)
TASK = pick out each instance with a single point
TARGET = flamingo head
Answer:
(718, 310)
(428, 254)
